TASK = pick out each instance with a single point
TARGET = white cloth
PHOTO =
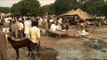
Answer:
(27, 27)
(53, 27)
(40, 21)
(51, 20)
(58, 27)
(6, 30)
(60, 21)
(30, 23)
(20, 26)
(83, 32)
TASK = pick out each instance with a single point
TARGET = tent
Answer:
(82, 15)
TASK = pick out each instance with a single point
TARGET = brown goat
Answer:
(19, 44)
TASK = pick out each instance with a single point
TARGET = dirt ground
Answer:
(67, 48)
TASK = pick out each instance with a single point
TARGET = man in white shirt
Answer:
(53, 27)
(27, 26)
(40, 21)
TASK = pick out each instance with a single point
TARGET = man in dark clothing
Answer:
(65, 26)
(3, 54)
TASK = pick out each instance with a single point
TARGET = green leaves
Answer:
(62, 6)
(4, 9)
(25, 7)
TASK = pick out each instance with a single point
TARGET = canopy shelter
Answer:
(80, 13)
(83, 15)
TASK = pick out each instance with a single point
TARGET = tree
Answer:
(102, 8)
(4, 9)
(48, 9)
(52, 9)
(45, 9)
(62, 6)
(16, 10)
(26, 7)
(95, 6)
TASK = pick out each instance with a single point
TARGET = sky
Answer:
(9, 3)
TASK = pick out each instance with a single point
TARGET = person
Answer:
(83, 25)
(15, 29)
(27, 26)
(59, 20)
(21, 27)
(58, 27)
(53, 27)
(34, 36)
(65, 26)
(83, 32)
(3, 53)
(40, 22)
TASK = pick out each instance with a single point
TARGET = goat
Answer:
(19, 44)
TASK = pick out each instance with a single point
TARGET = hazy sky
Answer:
(9, 3)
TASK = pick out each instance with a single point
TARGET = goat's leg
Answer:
(17, 52)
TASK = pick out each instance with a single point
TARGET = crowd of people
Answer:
(20, 27)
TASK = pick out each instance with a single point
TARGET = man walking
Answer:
(34, 36)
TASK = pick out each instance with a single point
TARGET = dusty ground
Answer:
(72, 48)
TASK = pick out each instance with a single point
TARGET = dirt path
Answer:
(66, 48)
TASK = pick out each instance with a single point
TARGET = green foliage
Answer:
(90, 6)
(16, 10)
(61, 6)
(4, 9)
(102, 8)
(52, 9)
(95, 7)
(48, 9)
(26, 7)
(45, 9)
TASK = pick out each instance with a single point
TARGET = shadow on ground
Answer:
(47, 54)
